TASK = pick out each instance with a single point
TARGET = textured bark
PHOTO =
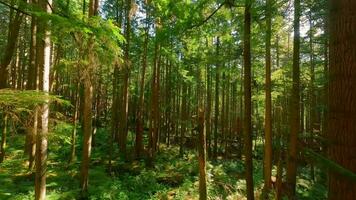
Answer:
(75, 122)
(87, 75)
(3, 139)
(140, 109)
(41, 137)
(123, 126)
(294, 108)
(154, 123)
(32, 134)
(32, 85)
(183, 116)
(314, 125)
(247, 100)
(267, 172)
(208, 109)
(87, 131)
(342, 97)
(116, 100)
(216, 112)
(13, 33)
(202, 156)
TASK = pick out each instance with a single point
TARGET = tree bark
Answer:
(294, 108)
(87, 107)
(216, 117)
(247, 100)
(267, 172)
(13, 33)
(3, 139)
(202, 155)
(41, 137)
(140, 118)
(341, 127)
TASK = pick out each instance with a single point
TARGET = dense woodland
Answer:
(185, 99)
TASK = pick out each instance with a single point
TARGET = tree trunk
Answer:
(41, 137)
(140, 118)
(123, 124)
(267, 172)
(247, 100)
(3, 139)
(216, 117)
(75, 122)
(295, 108)
(14, 29)
(342, 97)
(202, 156)
(30, 147)
(87, 108)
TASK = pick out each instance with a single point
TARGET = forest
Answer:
(178, 99)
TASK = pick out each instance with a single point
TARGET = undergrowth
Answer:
(173, 177)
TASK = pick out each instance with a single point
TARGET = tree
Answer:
(87, 74)
(294, 107)
(13, 33)
(140, 118)
(44, 57)
(247, 100)
(268, 110)
(341, 127)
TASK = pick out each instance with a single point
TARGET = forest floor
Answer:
(173, 177)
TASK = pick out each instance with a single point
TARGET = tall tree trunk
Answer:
(116, 100)
(3, 139)
(87, 107)
(123, 126)
(247, 100)
(216, 117)
(342, 97)
(154, 126)
(75, 122)
(267, 172)
(32, 85)
(313, 112)
(13, 33)
(140, 118)
(294, 107)
(41, 137)
(202, 155)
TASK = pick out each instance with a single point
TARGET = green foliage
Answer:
(26, 100)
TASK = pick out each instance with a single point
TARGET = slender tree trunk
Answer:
(152, 147)
(267, 172)
(247, 100)
(32, 140)
(140, 118)
(342, 97)
(216, 117)
(3, 139)
(208, 109)
(75, 122)
(313, 112)
(14, 29)
(295, 108)
(116, 100)
(32, 85)
(87, 107)
(123, 125)
(202, 156)
(41, 137)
